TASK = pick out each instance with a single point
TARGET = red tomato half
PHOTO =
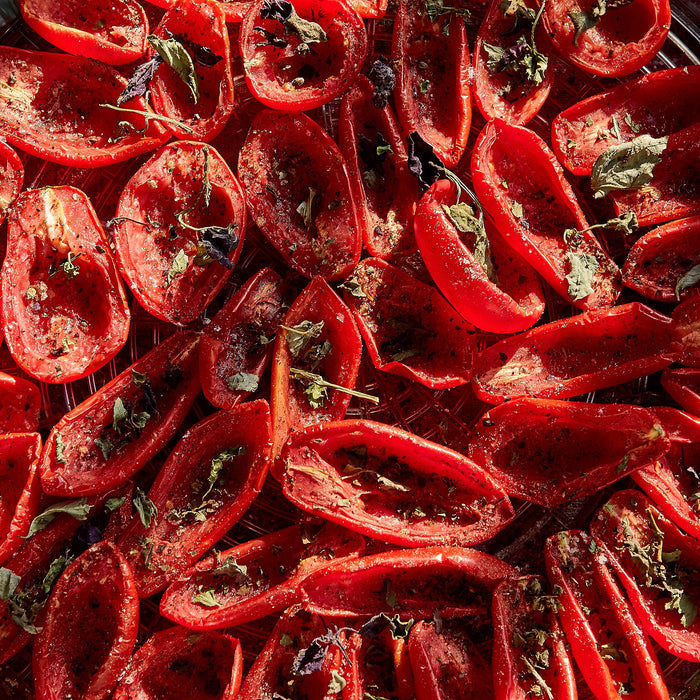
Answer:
(507, 301)
(90, 628)
(195, 24)
(661, 258)
(299, 194)
(11, 178)
(179, 230)
(521, 184)
(432, 86)
(19, 489)
(36, 82)
(207, 483)
(296, 68)
(550, 452)
(686, 317)
(110, 436)
(657, 104)
(234, 10)
(392, 485)
(178, 663)
(683, 384)
(409, 328)
(113, 32)
(20, 405)
(64, 311)
(665, 594)
(625, 38)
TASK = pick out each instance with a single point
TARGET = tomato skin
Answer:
(535, 182)
(516, 614)
(387, 219)
(573, 356)
(284, 156)
(447, 666)
(495, 29)
(625, 39)
(80, 85)
(626, 517)
(276, 564)
(70, 326)
(423, 579)
(433, 99)
(114, 32)
(91, 624)
(234, 10)
(169, 184)
(271, 71)
(669, 482)
(201, 22)
(425, 340)
(369, 8)
(419, 473)
(178, 663)
(173, 541)
(661, 257)
(172, 369)
(513, 304)
(657, 104)
(674, 190)
(594, 609)
(291, 408)
(231, 343)
(686, 319)
(11, 178)
(683, 384)
(20, 405)
(19, 489)
(550, 452)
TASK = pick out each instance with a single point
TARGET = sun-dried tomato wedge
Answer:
(11, 178)
(571, 357)
(90, 627)
(20, 405)
(302, 54)
(82, 133)
(408, 327)
(205, 102)
(686, 318)
(111, 435)
(521, 184)
(683, 384)
(19, 489)
(256, 578)
(299, 194)
(177, 663)
(179, 230)
(64, 310)
(113, 32)
(659, 567)
(207, 483)
(237, 345)
(432, 86)
(317, 355)
(392, 485)
(550, 452)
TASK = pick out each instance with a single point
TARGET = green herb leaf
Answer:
(615, 129)
(207, 599)
(144, 507)
(336, 683)
(436, 9)
(516, 209)
(627, 166)
(631, 123)
(60, 449)
(305, 208)
(119, 415)
(105, 446)
(286, 640)
(583, 269)
(114, 503)
(178, 266)
(8, 583)
(390, 595)
(177, 57)
(352, 285)
(138, 378)
(324, 383)
(583, 21)
(689, 279)
(78, 509)
(217, 464)
(230, 567)
(299, 336)
(464, 219)
(243, 381)
(55, 569)
(69, 268)
(308, 32)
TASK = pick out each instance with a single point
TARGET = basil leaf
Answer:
(139, 81)
(114, 503)
(689, 279)
(284, 12)
(105, 446)
(627, 166)
(310, 659)
(353, 285)
(382, 75)
(207, 599)
(583, 21)
(230, 567)
(8, 583)
(305, 208)
(78, 509)
(436, 8)
(215, 244)
(583, 269)
(56, 568)
(300, 335)
(144, 507)
(217, 464)
(423, 163)
(243, 381)
(60, 449)
(178, 58)
(178, 266)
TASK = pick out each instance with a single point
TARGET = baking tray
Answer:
(442, 416)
